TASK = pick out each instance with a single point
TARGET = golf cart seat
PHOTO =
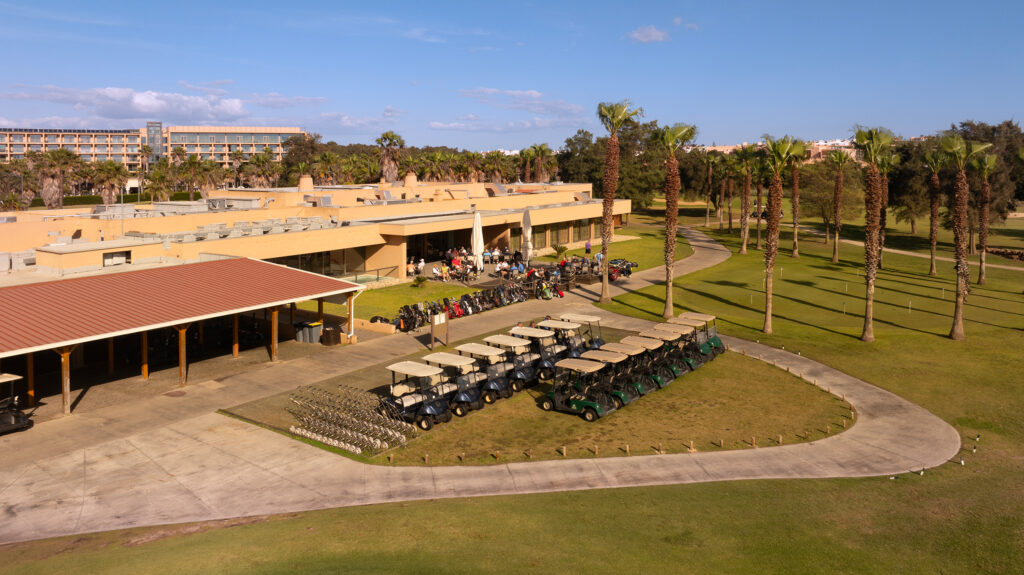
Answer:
(500, 369)
(446, 388)
(525, 360)
(574, 342)
(401, 389)
(554, 350)
(410, 400)
(472, 379)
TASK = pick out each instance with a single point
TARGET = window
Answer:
(100, 158)
(101, 139)
(116, 148)
(560, 233)
(117, 139)
(3, 137)
(17, 138)
(53, 147)
(85, 150)
(70, 139)
(69, 147)
(35, 147)
(35, 139)
(131, 149)
(116, 158)
(540, 237)
(191, 149)
(581, 230)
(133, 139)
(101, 148)
(516, 238)
(51, 139)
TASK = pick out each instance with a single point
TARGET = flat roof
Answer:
(644, 342)
(604, 355)
(531, 332)
(508, 340)
(414, 369)
(118, 244)
(582, 365)
(581, 318)
(45, 315)
(623, 348)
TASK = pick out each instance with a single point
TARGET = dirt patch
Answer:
(191, 528)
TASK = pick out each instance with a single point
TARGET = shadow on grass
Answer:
(778, 316)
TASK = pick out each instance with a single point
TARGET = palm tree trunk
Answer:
(608, 186)
(883, 216)
(707, 212)
(721, 205)
(729, 202)
(986, 194)
(672, 185)
(933, 232)
(963, 278)
(796, 212)
(771, 247)
(837, 199)
(745, 215)
(760, 191)
(872, 222)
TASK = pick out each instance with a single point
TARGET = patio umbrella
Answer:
(527, 236)
(477, 242)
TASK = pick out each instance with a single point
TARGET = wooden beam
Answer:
(320, 309)
(291, 313)
(351, 305)
(145, 355)
(30, 378)
(110, 356)
(201, 332)
(65, 376)
(273, 335)
(234, 336)
(182, 356)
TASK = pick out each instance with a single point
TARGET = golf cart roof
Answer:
(699, 316)
(531, 332)
(644, 342)
(414, 369)
(480, 349)
(581, 318)
(445, 358)
(580, 365)
(557, 324)
(660, 334)
(507, 340)
(6, 377)
(604, 355)
(675, 328)
(623, 348)
(687, 321)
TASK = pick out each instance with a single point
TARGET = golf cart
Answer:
(637, 365)
(659, 370)
(669, 354)
(568, 334)
(684, 346)
(617, 379)
(463, 372)
(545, 343)
(576, 389)
(418, 393)
(700, 336)
(497, 369)
(592, 332)
(524, 361)
(710, 328)
(11, 418)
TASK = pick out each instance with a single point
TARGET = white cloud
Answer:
(471, 123)
(392, 112)
(649, 34)
(362, 124)
(527, 100)
(127, 103)
(212, 88)
(692, 26)
(423, 35)
(276, 100)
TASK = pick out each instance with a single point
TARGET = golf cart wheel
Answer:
(445, 417)
(425, 423)
(589, 415)
(478, 404)
(506, 393)
(666, 375)
(617, 401)
(460, 410)
(517, 385)
(489, 397)
(546, 374)
(546, 404)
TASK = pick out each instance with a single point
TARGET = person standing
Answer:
(586, 247)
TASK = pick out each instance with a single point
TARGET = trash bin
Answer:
(301, 332)
(314, 331)
(331, 335)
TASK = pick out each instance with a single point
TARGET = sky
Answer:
(486, 75)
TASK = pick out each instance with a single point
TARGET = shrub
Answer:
(418, 281)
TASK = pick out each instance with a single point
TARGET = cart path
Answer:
(195, 465)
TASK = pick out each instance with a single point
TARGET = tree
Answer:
(543, 155)
(935, 160)
(527, 155)
(838, 159)
(761, 174)
(709, 160)
(746, 161)
(984, 165)
(873, 144)
(145, 153)
(389, 151)
(796, 161)
(237, 159)
(613, 115)
(672, 137)
(160, 181)
(211, 176)
(59, 164)
(960, 154)
(778, 154)
(886, 162)
(110, 179)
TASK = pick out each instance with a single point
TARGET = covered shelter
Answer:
(63, 314)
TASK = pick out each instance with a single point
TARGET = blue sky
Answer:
(490, 74)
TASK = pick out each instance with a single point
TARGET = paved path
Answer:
(171, 460)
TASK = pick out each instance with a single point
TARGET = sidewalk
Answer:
(170, 459)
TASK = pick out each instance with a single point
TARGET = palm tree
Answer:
(160, 180)
(145, 153)
(612, 115)
(672, 137)
(110, 179)
(761, 173)
(544, 156)
(777, 157)
(60, 163)
(211, 176)
(746, 159)
(389, 151)
(796, 161)
(493, 165)
(984, 164)
(192, 169)
(838, 159)
(935, 160)
(730, 172)
(708, 159)
(886, 163)
(527, 155)
(473, 161)
(960, 154)
(873, 144)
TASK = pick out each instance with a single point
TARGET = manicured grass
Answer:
(387, 301)
(648, 250)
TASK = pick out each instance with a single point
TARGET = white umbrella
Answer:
(477, 242)
(527, 236)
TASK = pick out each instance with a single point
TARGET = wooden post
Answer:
(350, 303)
(201, 338)
(30, 378)
(145, 355)
(320, 309)
(273, 334)
(291, 313)
(110, 356)
(234, 336)
(65, 376)
(182, 357)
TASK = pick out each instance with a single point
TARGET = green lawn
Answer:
(648, 250)
(386, 301)
(953, 519)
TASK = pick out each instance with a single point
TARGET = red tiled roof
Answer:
(55, 313)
